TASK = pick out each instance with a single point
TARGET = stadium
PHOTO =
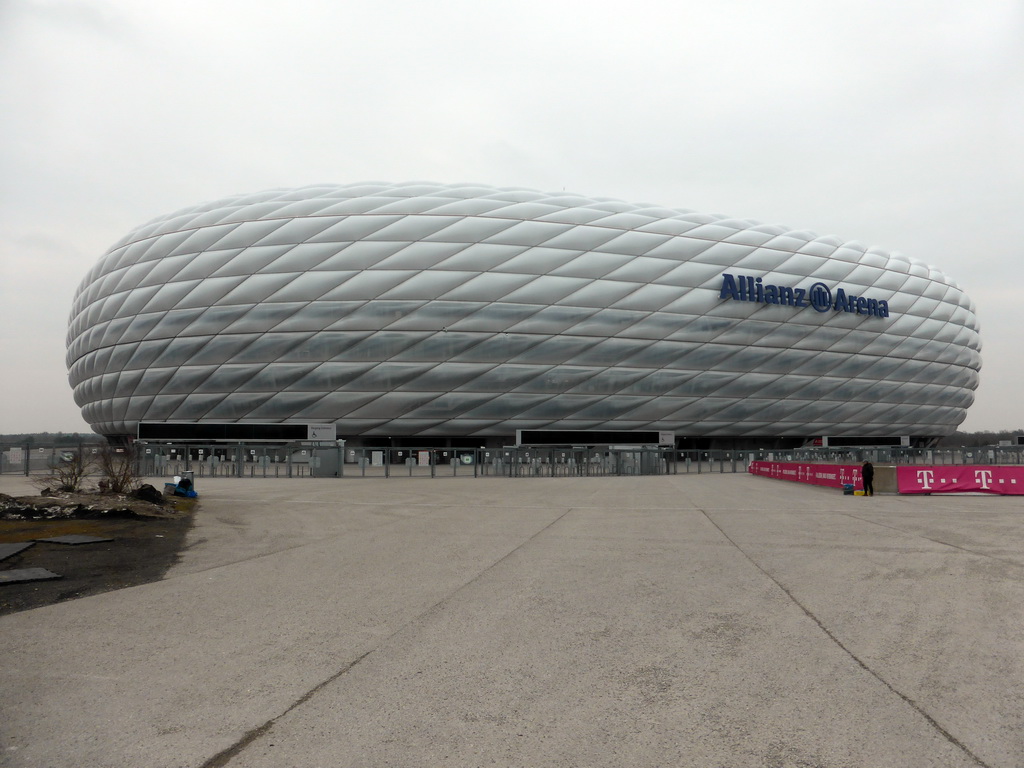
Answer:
(467, 315)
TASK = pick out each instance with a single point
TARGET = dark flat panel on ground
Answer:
(9, 550)
(74, 538)
(21, 575)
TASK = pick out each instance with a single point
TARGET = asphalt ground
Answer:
(691, 620)
(137, 551)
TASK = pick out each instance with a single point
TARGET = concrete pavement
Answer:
(693, 620)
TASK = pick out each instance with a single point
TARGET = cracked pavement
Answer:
(689, 620)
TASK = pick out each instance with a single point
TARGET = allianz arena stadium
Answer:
(430, 314)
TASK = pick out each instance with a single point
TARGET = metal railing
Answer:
(302, 460)
(31, 459)
(166, 460)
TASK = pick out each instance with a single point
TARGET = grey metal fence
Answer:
(39, 459)
(308, 460)
(334, 460)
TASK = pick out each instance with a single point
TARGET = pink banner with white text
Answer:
(961, 479)
(830, 475)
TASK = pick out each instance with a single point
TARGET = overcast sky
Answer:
(898, 124)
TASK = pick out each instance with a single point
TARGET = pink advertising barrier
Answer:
(831, 475)
(1008, 481)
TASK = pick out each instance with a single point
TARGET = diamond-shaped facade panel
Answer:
(420, 310)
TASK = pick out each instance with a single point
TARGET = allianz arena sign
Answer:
(818, 297)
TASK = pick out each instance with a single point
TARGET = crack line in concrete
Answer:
(934, 541)
(225, 756)
(909, 701)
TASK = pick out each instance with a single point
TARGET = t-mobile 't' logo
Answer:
(925, 477)
(983, 477)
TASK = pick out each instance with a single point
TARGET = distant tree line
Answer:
(51, 438)
(973, 439)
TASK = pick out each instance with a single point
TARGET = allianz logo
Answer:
(818, 297)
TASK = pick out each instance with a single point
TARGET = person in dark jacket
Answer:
(867, 472)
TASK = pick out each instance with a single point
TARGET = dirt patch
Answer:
(146, 541)
(85, 505)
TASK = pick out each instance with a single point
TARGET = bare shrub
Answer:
(67, 471)
(119, 472)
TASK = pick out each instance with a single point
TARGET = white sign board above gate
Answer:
(322, 432)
